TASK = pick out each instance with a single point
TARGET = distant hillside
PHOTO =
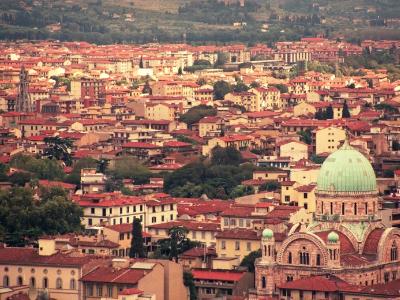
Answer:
(198, 21)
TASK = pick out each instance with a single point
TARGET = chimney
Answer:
(47, 246)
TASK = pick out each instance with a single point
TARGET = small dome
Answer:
(333, 237)
(346, 170)
(267, 233)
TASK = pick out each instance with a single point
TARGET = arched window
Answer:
(45, 283)
(366, 208)
(59, 283)
(6, 281)
(72, 284)
(355, 208)
(32, 282)
(331, 208)
(393, 251)
(289, 257)
(263, 282)
(343, 209)
(20, 281)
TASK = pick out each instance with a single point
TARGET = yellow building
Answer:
(238, 141)
(328, 139)
(246, 99)
(304, 175)
(295, 150)
(304, 109)
(210, 126)
(237, 243)
(203, 232)
(302, 196)
(159, 111)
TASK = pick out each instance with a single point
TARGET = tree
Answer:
(177, 236)
(137, 249)
(305, 136)
(249, 260)
(23, 220)
(102, 165)
(317, 159)
(189, 283)
(221, 88)
(270, 186)
(147, 89)
(59, 149)
(329, 112)
(20, 178)
(345, 110)
(75, 176)
(196, 113)
(201, 81)
(225, 156)
(240, 87)
(129, 168)
(222, 59)
(281, 87)
(255, 84)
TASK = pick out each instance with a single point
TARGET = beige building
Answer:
(237, 243)
(160, 111)
(295, 150)
(328, 139)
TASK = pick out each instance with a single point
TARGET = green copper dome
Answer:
(346, 170)
(333, 237)
(267, 233)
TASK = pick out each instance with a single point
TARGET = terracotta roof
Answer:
(190, 225)
(217, 275)
(242, 234)
(111, 275)
(125, 228)
(199, 252)
(346, 247)
(140, 145)
(282, 212)
(316, 283)
(29, 256)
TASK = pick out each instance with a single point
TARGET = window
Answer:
(237, 245)
(59, 283)
(289, 257)
(241, 222)
(134, 208)
(120, 210)
(20, 281)
(45, 283)
(89, 221)
(90, 290)
(233, 222)
(32, 282)
(141, 207)
(342, 209)
(109, 291)
(318, 260)
(248, 223)
(171, 207)
(305, 205)
(289, 278)
(287, 198)
(171, 217)
(305, 195)
(72, 284)
(194, 235)
(92, 210)
(393, 251)
(104, 212)
(263, 282)
(120, 221)
(153, 219)
(226, 222)
(127, 220)
(355, 208)
(386, 276)
(6, 281)
(223, 245)
(203, 235)
(248, 246)
(331, 208)
(99, 291)
(154, 209)
(121, 236)
(304, 258)
(162, 218)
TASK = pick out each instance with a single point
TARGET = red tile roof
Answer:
(111, 275)
(217, 275)
(371, 243)
(346, 247)
(242, 234)
(316, 283)
(140, 145)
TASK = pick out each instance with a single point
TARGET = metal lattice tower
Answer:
(24, 101)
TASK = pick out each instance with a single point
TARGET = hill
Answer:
(197, 21)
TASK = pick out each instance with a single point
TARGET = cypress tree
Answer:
(137, 249)
(345, 110)
(329, 112)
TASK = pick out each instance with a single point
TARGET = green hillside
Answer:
(197, 21)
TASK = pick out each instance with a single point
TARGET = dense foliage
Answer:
(249, 260)
(196, 113)
(218, 179)
(23, 220)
